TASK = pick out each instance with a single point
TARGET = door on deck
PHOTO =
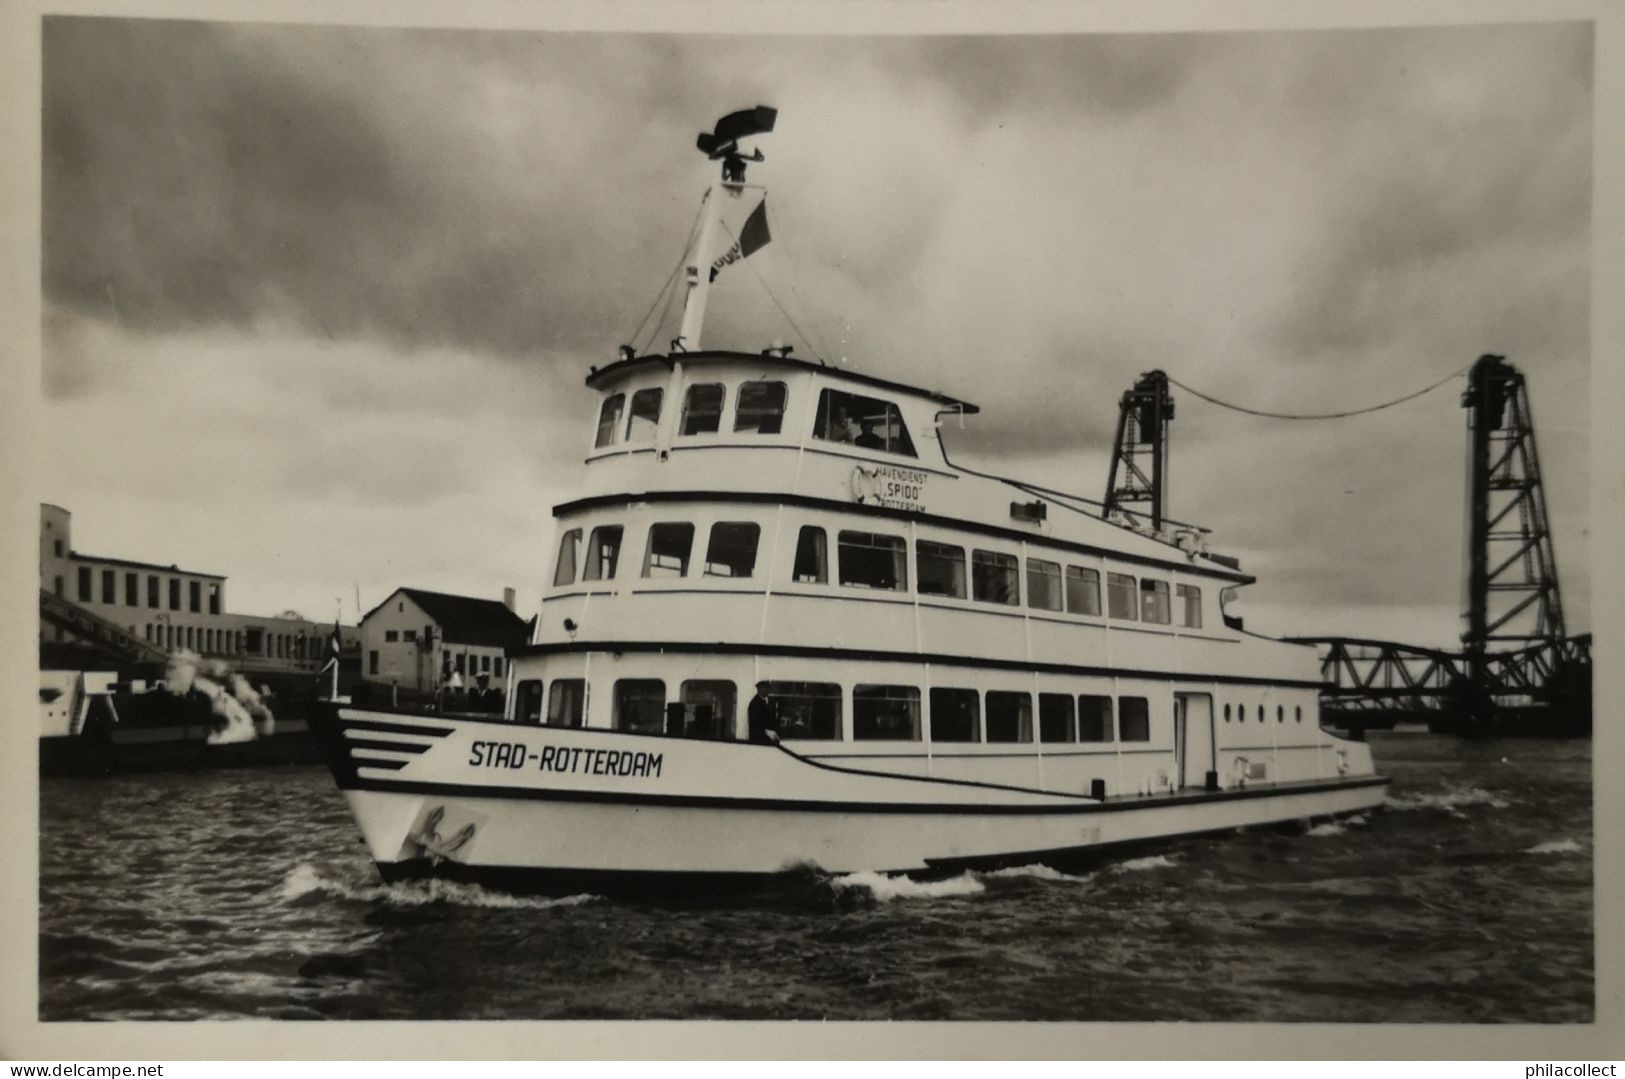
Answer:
(1194, 753)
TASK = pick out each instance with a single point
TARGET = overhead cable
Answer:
(1318, 415)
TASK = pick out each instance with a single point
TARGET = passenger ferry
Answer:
(951, 670)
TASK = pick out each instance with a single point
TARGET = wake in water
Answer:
(884, 888)
(305, 880)
(1450, 801)
(1556, 846)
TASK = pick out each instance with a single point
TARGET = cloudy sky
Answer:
(318, 301)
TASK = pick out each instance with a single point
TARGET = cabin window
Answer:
(885, 713)
(1009, 716)
(808, 710)
(732, 550)
(609, 420)
(1043, 584)
(872, 560)
(1134, 718)
(941, 567)
(603, 552)
(865, 422)
(1082, 591)
(993, 577)
(760, 408)
(1120, 596)
(1154, 602)
(812, 556)
(1094, 718)
(956, 715)
(640, 705)
(1189, 603)
(1056, 719)
(569, 554)
(708, 708)
(669, 547)
(644, 419)
(702, 409)
(527, 701)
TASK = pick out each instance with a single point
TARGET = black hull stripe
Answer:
(393, 728)
(856, 509)
(377, 762)
(937, 659)
(793, 805)
(393, 747)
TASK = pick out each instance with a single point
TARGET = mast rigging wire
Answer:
(1318, 415)
(765, 288)
(693, 230)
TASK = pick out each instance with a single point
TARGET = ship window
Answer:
(645, 415)
(732, 550)
(669, 547)
(1120, 596)
(865, 422)
(760, 408)
(1154, 602)
(640, 705)
(956, 715)
(812, 556)
(1190, 605)
(109, 586)
(873, 560)
(567, 703)
(84, 584)
(603, 552)
(708, 708)
(702, 409)
(1056, 721)
(1094, 718)
(1082, 590)
(807, 710)
(1134, 718)
(1009, 716)
(1043, 584)
(941, 567)
(527, 702)
(609, 420)
(994, 577)
(569, 555)
(886, 713)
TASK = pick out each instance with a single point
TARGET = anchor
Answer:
(430, 842)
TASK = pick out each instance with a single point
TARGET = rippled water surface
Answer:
(247, 893)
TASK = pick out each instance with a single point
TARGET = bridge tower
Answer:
(1513, 599)
(1140, 453)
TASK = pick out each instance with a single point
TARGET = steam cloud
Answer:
(245, 712)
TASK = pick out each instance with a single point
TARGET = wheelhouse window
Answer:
(760, 408)
(941, 567)
(1057, 722)
(564, 571)
(527, 701)
(669, 546)
(1094, 718)
(1120, 599)
(609, 420)
(994, 577)
(865, 422)
(1154, 602)
(1134, 718)
(1189, 604)
(873, 560)
(812, 556)
(1043, 584)
(809, 710)
(644, 419)
(1082, 591)
(640, 705)
(708, 708)
(603, 553)
(732, 549)
(1009, 716)
(886, 713)
(956, 715)
(702, 409)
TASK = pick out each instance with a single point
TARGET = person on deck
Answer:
(867, 437)
(762, 717)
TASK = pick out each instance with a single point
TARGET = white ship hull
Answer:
(529, 808)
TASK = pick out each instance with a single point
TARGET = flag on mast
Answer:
(334, 644)
(752, 238)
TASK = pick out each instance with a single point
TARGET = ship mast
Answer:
(721, 144)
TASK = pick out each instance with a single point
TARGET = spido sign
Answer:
(887, 485)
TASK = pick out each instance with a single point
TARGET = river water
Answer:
(247, 893)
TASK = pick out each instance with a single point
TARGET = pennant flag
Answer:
(752, 238)
(333, 646)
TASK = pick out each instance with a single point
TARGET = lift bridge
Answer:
(1518, 670)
